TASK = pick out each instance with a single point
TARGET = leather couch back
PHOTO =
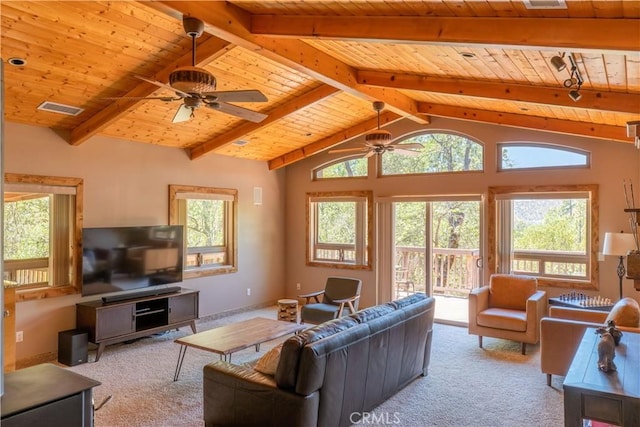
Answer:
(359, 361)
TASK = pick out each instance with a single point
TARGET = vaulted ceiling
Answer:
(321, 64)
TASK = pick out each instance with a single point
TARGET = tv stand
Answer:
(118, 321)
(140, 294)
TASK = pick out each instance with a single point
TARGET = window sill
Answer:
(346, 266)
(208, 271)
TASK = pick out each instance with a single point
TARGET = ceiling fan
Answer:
(379, 141)
(196, 87)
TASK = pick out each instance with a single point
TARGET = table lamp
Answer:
(618, 244)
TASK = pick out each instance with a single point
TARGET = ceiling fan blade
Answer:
(406, 152)
(413, 146)
(250, 95)
(162, 98)
(346, 150)
(183, 113)
(162, 85)
(234, 110)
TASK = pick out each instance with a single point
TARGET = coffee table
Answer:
(228, 339)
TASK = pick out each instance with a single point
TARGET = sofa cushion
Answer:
(268, 363)
(406, 301)
(512, 292)
(368, 314)
(287, 372)
(501, 318)
(625, 312)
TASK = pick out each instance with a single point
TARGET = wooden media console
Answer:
(110, 323)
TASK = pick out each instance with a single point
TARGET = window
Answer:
(343, 168)
(42, 225)
(441, 152)
(545, 231)
(209, 217)
(522, 155)
(340, 229)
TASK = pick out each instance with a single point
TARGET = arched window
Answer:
(441, 152)
(531, 155)
(346, 167)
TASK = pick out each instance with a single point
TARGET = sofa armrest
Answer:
(236, 395)
(536, 307)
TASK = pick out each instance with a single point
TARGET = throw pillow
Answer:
(268, 363)
(625, 312)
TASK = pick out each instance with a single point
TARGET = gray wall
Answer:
(126, 184)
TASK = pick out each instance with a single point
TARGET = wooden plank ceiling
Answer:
(320, 64)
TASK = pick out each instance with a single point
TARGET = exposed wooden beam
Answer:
(590, 130)
(591, 99)
(300, 102)
(386, 118)
(208, 51)
(574, 34)
(229, 22)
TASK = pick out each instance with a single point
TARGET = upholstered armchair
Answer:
(339, 293)
(509, 308)
(562, 330)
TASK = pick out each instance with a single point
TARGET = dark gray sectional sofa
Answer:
(330, 374)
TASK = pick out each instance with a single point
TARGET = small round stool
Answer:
(288, 310)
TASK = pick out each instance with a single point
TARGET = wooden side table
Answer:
(288, 310)
(612, 397)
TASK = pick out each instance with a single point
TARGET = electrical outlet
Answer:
(248, 291)
(19, 336)
(298, 286)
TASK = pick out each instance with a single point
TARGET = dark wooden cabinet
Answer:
(47, 395)
(110, 323)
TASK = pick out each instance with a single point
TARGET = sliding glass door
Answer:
(434, 248)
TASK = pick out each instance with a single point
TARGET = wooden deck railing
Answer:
(454, 271)
(32, 271)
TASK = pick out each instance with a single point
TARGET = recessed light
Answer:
(468, 54)
(17, 62)
(308, 134)
(241, 143)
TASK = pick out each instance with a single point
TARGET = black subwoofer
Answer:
(73, 347)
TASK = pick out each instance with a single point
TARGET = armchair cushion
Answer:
(509, 291)
(625, 312)
(501, 318)
(340, 297)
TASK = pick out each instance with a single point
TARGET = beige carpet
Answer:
(466, 386)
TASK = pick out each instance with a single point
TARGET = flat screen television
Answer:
(118, 259)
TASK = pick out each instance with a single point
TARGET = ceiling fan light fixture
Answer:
(192, 80)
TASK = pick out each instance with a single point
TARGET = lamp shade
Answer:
(618, 244)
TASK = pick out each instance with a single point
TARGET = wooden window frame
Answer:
(181, 192)
(52, 290)
(494, 193)
(364, 228)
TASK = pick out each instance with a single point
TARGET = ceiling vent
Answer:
(545, 4)
(54, 107)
